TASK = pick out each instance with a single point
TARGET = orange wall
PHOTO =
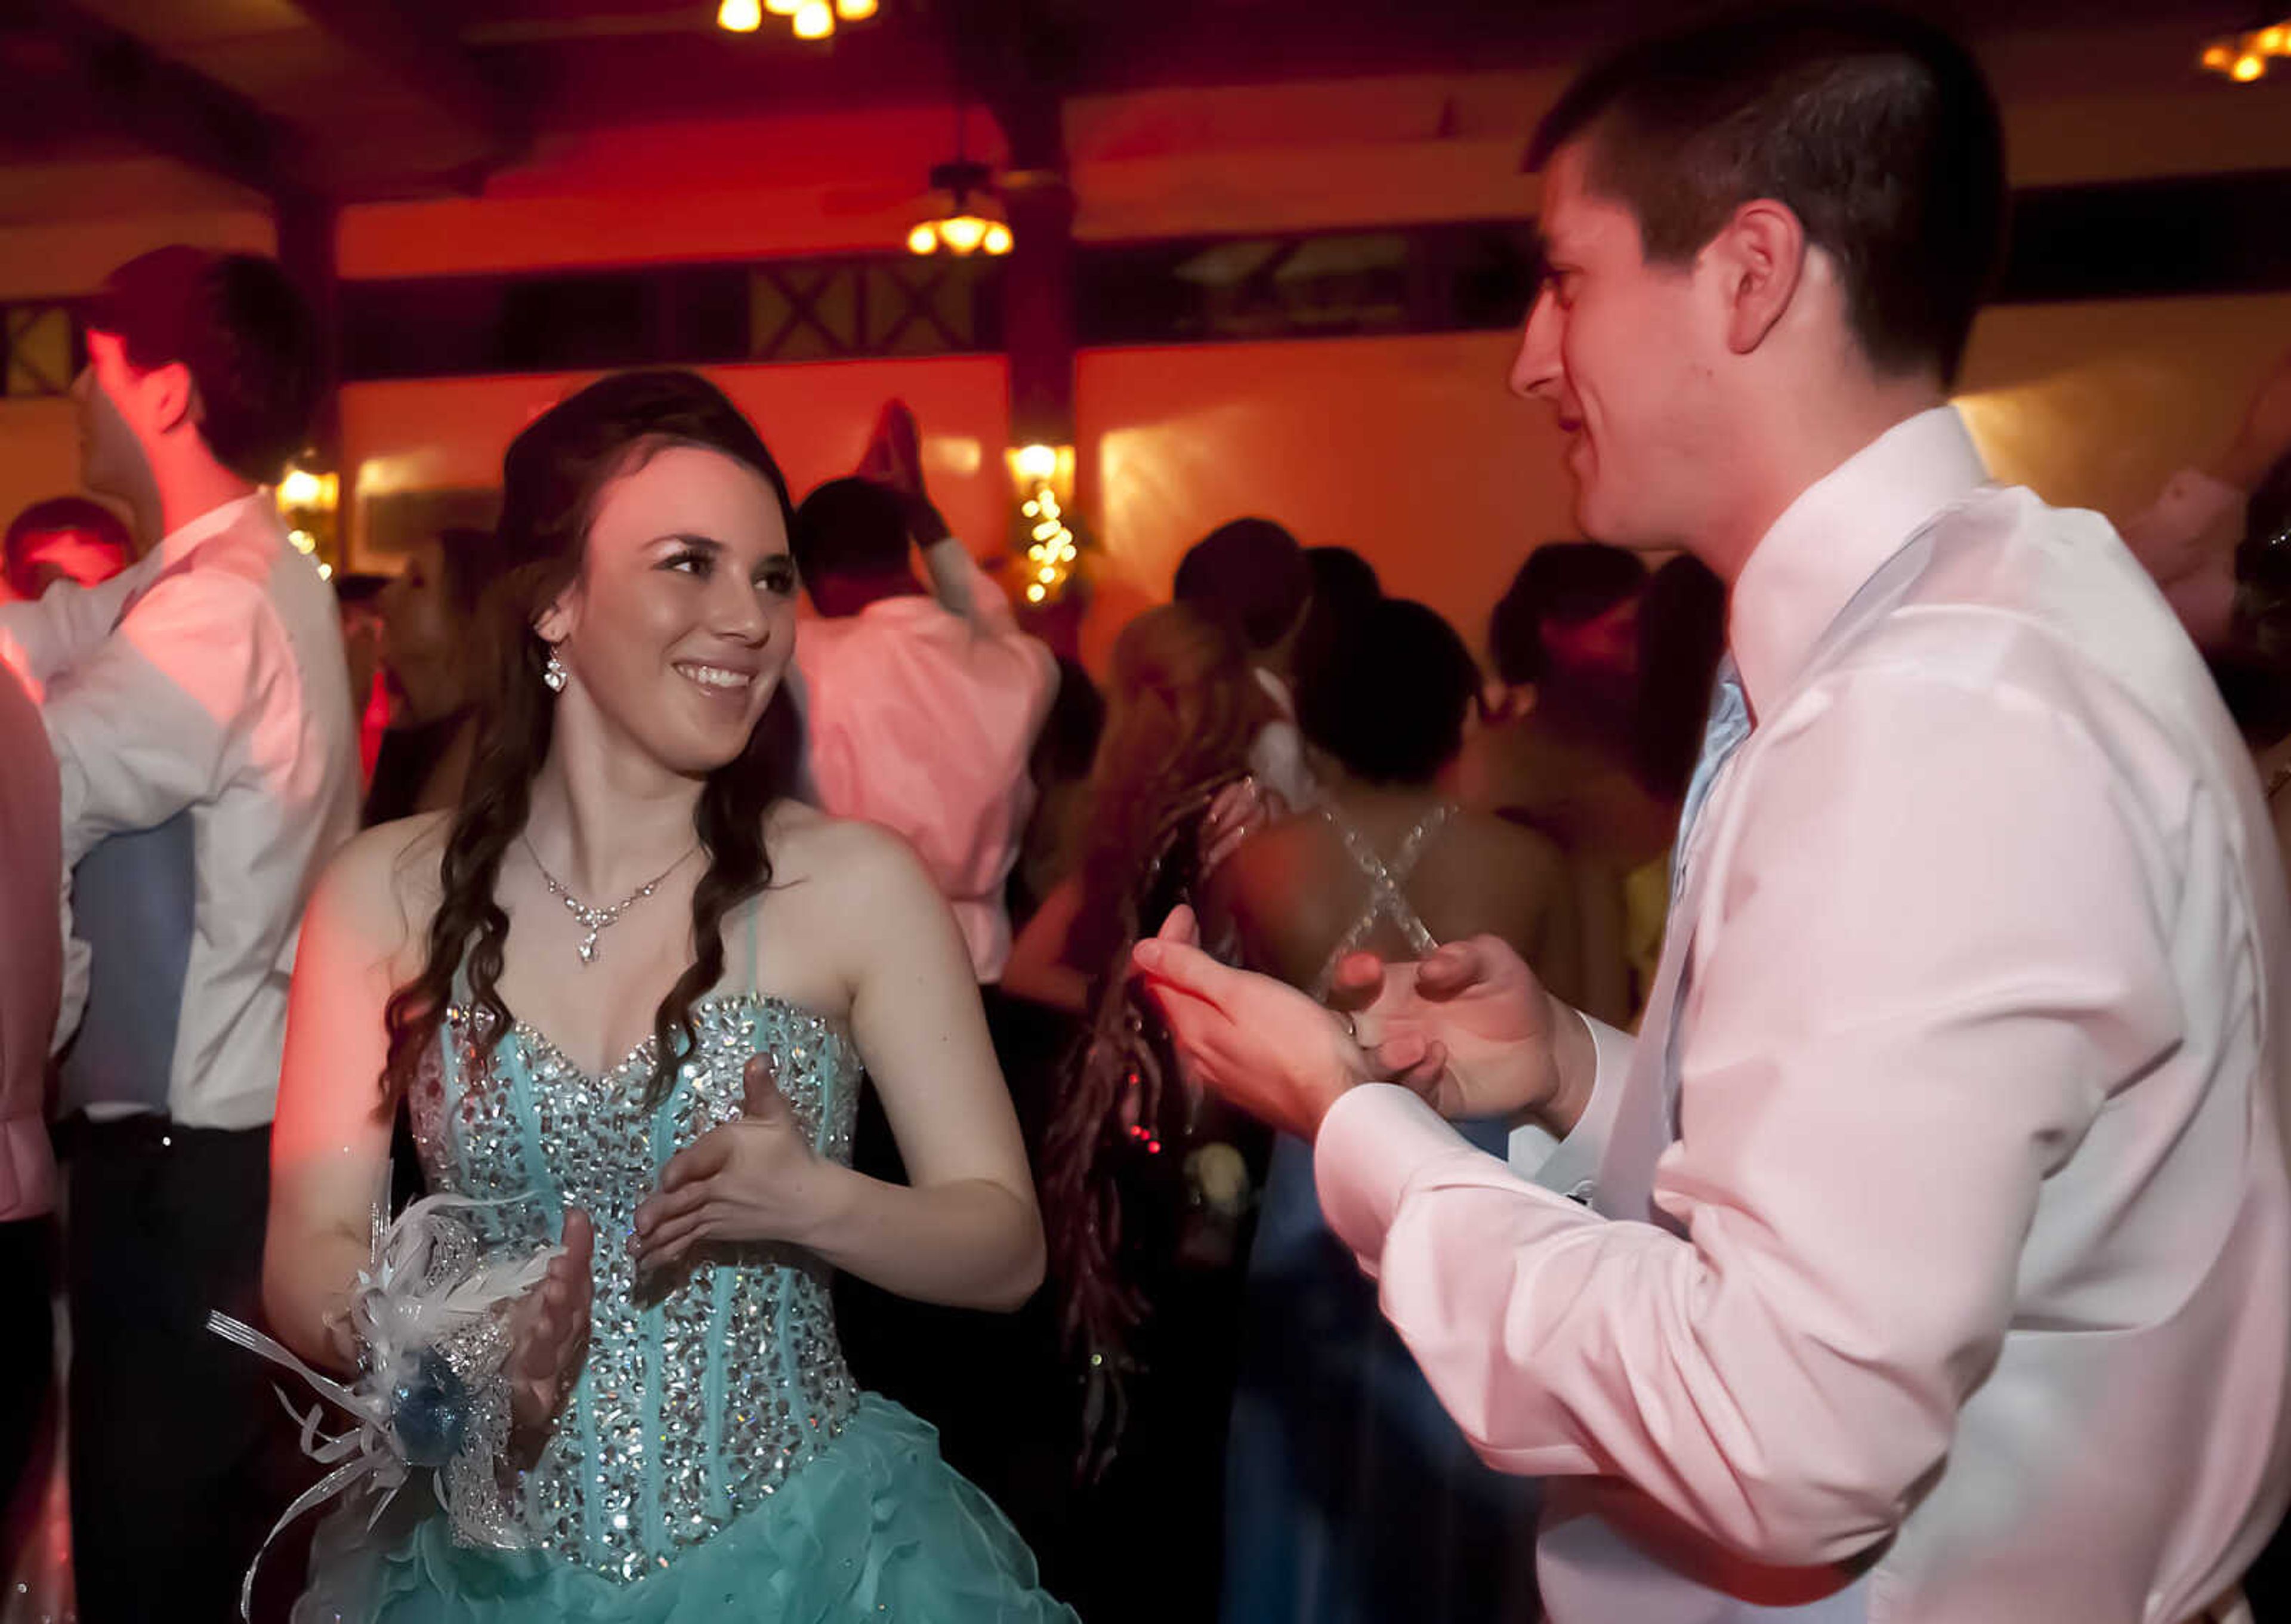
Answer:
(39, 454)
(1411, 451)
(74, 256)
(447, 433)
(2095, 405)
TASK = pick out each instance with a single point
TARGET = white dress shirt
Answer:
(207, 679)
(919, 714)
(1938, 1265)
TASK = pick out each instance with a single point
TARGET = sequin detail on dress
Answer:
(700, 1396)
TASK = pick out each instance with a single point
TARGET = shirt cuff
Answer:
(1373, 1144)
(1569, 1167)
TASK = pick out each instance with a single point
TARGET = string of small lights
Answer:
(307, 502)
(1051, 551)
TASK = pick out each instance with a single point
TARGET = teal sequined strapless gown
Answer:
(715, 1460)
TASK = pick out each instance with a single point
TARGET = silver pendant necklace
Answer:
(594, 920)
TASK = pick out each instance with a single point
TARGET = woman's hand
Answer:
(1239, 811)
(549, 1330)
(754, 1180)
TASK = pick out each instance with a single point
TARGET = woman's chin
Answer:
(703, 752)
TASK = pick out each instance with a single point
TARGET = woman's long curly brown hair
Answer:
(1182, 712)
(552, 479)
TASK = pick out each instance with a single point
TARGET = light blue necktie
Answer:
(1721, 735)
(1647, 1117)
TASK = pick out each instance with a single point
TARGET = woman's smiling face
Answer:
(683, 616)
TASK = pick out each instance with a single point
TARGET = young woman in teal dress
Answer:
(627, 991)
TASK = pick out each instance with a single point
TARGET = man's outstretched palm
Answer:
(1469, 1028)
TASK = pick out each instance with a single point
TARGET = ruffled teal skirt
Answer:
(876, 1527)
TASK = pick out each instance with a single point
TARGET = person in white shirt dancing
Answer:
(920, 707)
(198, 708)
(1936, 1262)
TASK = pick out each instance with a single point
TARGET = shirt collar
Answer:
(1839, 532)
(905, 606)
(180, 541)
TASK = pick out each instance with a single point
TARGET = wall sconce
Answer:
(307, 501)
(1044, 478)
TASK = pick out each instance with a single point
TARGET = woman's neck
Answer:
(604, 823)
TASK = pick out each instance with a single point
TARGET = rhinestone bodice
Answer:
(702, 1391)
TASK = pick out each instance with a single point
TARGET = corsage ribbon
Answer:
(431, 1390)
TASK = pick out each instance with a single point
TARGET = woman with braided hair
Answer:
(1146, 1186)
(627, 987)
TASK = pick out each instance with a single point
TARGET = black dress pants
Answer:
(26, 1368)
(180, 1456)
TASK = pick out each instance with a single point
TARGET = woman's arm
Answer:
(330, 1145)
(964, 1232)
(1037, 970)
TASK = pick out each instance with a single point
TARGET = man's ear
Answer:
(1760, 257)
(170, 396)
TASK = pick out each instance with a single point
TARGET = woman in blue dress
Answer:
(1351, 1496)
(627, 990)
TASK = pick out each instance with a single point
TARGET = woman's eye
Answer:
(692, 563)
(777, 577)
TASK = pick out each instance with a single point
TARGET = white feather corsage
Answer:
(432, 1390)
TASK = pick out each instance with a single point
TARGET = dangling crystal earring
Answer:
(554, 673)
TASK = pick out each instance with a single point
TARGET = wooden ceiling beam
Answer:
(173, 110)
(406, 42)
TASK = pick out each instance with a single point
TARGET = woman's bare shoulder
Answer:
(807, 844)
(1500, 839)
(383, 885)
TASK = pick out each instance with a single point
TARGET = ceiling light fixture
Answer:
(973, 220)
(807, 18)
(2245, 57)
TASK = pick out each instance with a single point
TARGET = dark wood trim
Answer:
(2198, 235)
(171, 109)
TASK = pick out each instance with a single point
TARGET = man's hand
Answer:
(2264, 435)
(894, 459)
(1256, 1041)
(1472, 1030)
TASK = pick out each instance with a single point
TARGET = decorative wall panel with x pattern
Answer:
(42, 349)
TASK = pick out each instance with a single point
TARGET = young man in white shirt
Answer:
(198, 708)
(920, 707)
(1930, 1257)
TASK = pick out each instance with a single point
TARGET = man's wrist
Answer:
(1574, 1070)
(1322, 1093)
(925, 523)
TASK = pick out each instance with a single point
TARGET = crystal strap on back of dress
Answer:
(1385, 899)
